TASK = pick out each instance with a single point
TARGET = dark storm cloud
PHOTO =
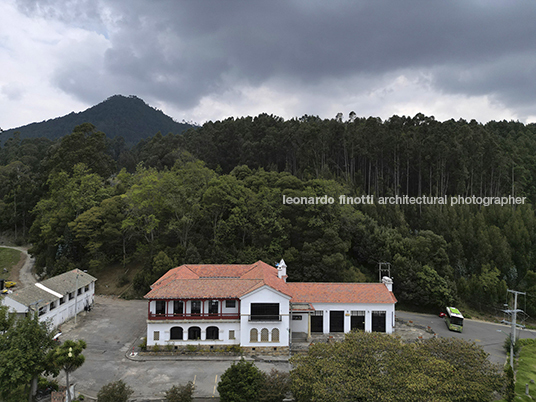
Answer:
(181, 51)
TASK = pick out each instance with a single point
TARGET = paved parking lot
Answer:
(111, 329)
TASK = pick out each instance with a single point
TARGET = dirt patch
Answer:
(116, 280)
(411, 332)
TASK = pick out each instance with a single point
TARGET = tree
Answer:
(242, 382)
(84, 145)
(180, 393)
(379, 367)
(68, 357)
(276, 386)
(25, 348)
(116, 391)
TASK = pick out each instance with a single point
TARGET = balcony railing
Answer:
(264, 318)
(195, 316)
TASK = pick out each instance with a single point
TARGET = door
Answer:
(357, 320)
(336, 321)
(317, 323)
(378, 321)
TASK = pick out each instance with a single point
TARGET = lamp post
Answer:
(76, 299)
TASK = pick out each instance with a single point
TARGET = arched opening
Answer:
(176, 333)
(264, 335)
(254, 335)
(275, 335)
(213, 333)
(194, 333)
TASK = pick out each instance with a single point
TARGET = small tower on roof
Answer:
(282, 270)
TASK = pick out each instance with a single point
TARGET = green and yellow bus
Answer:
(454, 319)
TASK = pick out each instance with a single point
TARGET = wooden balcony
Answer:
(195, 316)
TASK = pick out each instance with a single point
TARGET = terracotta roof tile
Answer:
(234, 281)
(340, 293)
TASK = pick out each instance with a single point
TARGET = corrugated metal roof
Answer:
(63, 284)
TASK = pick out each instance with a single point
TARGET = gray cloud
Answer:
(181, 51)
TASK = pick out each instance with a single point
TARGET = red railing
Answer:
(200, 316)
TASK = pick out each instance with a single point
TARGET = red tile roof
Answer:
(235, 281)
(216, 281)
(340, 293)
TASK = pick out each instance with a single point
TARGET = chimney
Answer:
(282, 270)
(388, 282)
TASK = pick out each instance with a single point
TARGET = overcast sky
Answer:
(202, 60)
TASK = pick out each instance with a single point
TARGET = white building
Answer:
(254, 307)
(55, 299)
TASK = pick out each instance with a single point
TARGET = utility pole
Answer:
(514, 324)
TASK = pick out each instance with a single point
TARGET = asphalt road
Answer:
(488, 335)
(111, 329)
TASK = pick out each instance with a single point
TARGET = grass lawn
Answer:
(8, 259)
(526, 371)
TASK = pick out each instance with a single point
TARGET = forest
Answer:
(214, 194)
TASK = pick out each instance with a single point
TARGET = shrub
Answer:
(180, 393)
(242, 382)
(143, 344)
(156, 348)
(276, 386)
(506, 345)
(191, 348)
(116, 391)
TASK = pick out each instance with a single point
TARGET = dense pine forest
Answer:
(214, 194)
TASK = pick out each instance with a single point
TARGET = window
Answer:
(160, 307)
(254, 335)
(79, 291)
(62, 300)
(213, 333)
(196, 307)
(42, 310)
(230, 303)
(231, 334)
(156, 335)
(213, 307)
(194, 333)
(264, 335)
(275, 335)
(86, 289)
(176, 333)
(71, 296)
(178, 307)
(52, 305)
(265, 312)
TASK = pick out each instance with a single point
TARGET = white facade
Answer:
(254, 307)
(53, 306)
(269, 332)
(371, 312)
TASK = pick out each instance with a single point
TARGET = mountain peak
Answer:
(126, 116)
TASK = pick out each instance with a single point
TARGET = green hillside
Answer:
(127, 117)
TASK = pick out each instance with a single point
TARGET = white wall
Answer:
(297, 326)
(264, 294)
(164, 330)
(300, 325)
(60, 313)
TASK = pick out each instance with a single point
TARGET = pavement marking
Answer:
(478, 340)
(215, 384)
(195, 376)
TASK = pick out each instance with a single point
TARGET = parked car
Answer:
(10, 284)
(442, 314)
